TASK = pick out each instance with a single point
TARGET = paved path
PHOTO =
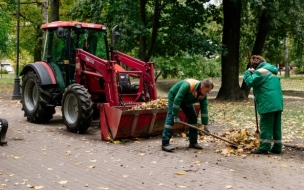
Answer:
(48, 157)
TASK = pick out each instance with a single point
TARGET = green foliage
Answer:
(191, 35)
(3, 71)
(287, 21)
(87, 11)
(5, 29)
(174, 32)
(248, 27)
(299, 70)
(187, 66)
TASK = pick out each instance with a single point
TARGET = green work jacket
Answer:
(267, 88)
(186, 92)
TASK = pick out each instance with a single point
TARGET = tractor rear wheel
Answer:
(35, 99)
(77, 108)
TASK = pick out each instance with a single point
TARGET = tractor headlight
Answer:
(78, 26)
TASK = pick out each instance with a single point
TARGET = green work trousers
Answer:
(191, 116)
(270, 129)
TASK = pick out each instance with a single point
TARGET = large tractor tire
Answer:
(35, 99)
(77, 108)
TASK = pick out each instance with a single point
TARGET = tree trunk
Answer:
(54, 10)
(155, 27)
(142, 38)
(287, 74)
(230, 89)
(44, 11)
(38, 44)
(144, 51)
(45, 19)
(259, 43)
(262, 34)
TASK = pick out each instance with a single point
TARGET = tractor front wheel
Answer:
(77, 108)
(35, 99)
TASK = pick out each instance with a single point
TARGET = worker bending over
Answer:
(183, 95)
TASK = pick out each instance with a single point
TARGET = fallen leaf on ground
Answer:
(196, 162)
(30, 186)
(67, 153)
(117, 142)
(103, 188)
(284, 165)
(62, 182)
(39, 187)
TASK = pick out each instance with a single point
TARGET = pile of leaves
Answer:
(161, 103)
(245, 140)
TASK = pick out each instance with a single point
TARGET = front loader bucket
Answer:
(122, 123)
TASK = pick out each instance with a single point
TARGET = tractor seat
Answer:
(124, 84)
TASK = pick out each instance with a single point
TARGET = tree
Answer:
(230, 88)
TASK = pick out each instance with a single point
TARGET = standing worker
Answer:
(183, 95)
(268, 95)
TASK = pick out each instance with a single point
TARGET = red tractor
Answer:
(88, 78)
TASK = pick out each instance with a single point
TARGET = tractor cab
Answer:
(61, 43)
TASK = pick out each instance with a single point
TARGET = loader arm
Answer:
(90, 70)
(101, 76)
(147, 68)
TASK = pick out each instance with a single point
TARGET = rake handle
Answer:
(256, 117)
(215, 136)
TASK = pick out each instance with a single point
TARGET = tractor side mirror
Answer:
(115, 35)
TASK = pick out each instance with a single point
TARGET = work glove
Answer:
(251, 70)
(176, 119)
(207, 132)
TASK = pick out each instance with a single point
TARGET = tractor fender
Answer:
(44, 72)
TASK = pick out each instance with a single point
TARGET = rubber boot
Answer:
(195, 146)
(167, 147)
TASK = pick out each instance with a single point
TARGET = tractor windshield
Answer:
(61, 43)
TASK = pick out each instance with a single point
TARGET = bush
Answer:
(299, 71)
(186, 66)
(3, 71)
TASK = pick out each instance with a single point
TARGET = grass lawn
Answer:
(242, 115)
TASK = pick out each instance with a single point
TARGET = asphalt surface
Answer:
(47, 156)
